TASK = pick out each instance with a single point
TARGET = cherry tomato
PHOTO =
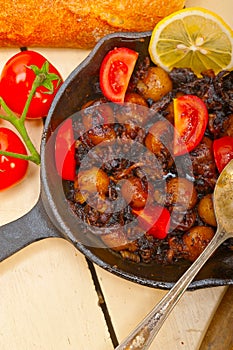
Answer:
(190, 121)
(65, 151)
(155, 220)
(16, 82)
(12, 170)
(223, 151)
(115, 72)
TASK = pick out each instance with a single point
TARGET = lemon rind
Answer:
(224, 27)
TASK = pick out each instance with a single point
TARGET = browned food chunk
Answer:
(228, 126)
(116, 240)
(204, 168)
(135, 192)
(100, 113)
(158, 141)
(133, 116)
(206, 210)
(102, 135)
(181, 193)
(195, 240)
(155, 84)
(192, 243)
(98, 122)
(133, 97)
(181, 219)
(92, 181)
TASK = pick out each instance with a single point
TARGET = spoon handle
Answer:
(142, 336)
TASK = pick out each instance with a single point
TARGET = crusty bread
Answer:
(76, 23)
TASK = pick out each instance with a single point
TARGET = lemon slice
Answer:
(194, 38)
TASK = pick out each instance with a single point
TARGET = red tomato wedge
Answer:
(223, 151)
(190, 121)
(115, 73)
(65, 151)
(155, 220)
(12, 170)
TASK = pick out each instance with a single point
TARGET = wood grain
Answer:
(219, 334)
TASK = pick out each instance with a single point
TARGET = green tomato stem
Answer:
(18, 155)
(18, 123)
(42, 78)
(9, 114)
(37, 82)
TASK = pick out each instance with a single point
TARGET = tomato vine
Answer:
(42, 78)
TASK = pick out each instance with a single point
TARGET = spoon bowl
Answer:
(142, 336)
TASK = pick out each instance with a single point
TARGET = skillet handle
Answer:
(31, 227)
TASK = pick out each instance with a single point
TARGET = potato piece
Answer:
(102, 135)
(181, 192)
(133, 97)
(206, 210)
(116, 240)
(195, 240)
(134, 192)
(159, 141)
(155, 84)
(92, 180)
(135, 110)
(182, 220)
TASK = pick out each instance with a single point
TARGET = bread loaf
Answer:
(76, 23)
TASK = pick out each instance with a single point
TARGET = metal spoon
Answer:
(142, 336)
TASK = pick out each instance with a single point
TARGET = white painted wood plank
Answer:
(65, 60)
(48, 301)
(6, 54)
(20, 199)
(129, 303)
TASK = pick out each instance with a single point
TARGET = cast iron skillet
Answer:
(51, 216)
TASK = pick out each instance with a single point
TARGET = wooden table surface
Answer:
(48, 299)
